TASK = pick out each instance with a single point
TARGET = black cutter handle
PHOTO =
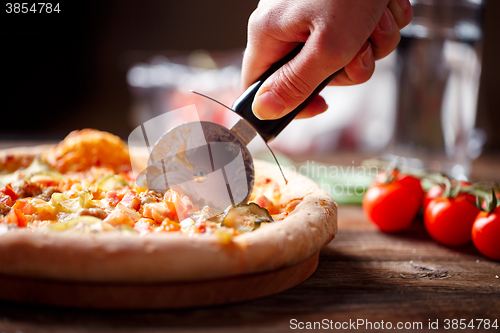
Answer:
(269, 129)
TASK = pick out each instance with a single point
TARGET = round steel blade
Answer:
(204, 161)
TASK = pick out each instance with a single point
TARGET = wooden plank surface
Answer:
(362, 275)
(174, 295)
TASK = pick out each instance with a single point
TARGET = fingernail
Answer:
(267, 106)
(366, 54)
(385, 23)
(403, 3)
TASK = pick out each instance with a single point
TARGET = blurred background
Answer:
(82, 68)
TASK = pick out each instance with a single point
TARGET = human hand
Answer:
(337, 33)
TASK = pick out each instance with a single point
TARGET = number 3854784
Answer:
(35, 8)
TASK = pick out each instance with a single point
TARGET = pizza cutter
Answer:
(211, 163)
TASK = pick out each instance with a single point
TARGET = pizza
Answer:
(73, 212)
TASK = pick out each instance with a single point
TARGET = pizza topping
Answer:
(11, 163)
(203, 215)
(290, 206)
(123, 215)
(6, 200)
(113, 197)
(71, 202)
(144, 226)
(4, 209)
(47, 192)
(178, 203)
(126, 229)
(280, 216)
(264, 202)
(149, 196)
(266, 188)
(111, 182)
(15, 217)
(28, 189)
(187, 224)
(7, 195)
(83, 224)
(131, 200)
(34, 209)
(82, 150)
(18, 176)
(158, 212)
(225, 235)
(95, 212)
(84, 185)
(168, 226)
(245, 218)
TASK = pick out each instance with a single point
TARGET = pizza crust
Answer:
(169, 257)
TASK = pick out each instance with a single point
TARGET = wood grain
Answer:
(362, 274)
(175, 295)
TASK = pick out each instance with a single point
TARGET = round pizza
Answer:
(73, 212)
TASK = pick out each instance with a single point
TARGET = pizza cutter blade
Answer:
(210, 163)
(204, 160)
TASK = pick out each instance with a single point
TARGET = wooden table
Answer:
(363, 274)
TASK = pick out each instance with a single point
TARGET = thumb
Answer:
(290, 85)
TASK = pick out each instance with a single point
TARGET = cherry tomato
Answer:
(434, 192)
(486, 233)
(449, 220)
(484, 203)
(437, 191)
(393, 206)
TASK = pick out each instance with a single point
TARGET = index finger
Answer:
(257, 59)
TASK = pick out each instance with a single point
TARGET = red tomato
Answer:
(484, 203)
(449, 220)
(382, 176)
(486, 232)
(393, 206)
(436, 191)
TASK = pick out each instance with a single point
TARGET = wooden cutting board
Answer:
(155, 295)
